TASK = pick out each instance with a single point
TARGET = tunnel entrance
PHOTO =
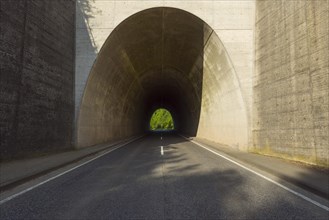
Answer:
(162, 57)
(161, 120)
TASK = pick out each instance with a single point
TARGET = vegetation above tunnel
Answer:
(161, 120)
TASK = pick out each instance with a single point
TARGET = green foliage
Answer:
(161, 120)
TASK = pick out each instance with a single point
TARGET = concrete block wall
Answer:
(36, 76)
(291, 80)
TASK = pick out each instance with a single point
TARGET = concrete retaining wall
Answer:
(291, 81)
(37, 76)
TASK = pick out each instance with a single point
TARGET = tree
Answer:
(161, 119)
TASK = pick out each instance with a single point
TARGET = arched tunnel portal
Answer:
(162, 57)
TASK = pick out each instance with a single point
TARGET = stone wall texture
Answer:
(37, 76)
(291, 79)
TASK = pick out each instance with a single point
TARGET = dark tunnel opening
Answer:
(168, 92)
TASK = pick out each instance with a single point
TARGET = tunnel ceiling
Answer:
(153, 59)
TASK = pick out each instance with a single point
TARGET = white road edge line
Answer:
(161, 150)
(67, 171)
(264, 177)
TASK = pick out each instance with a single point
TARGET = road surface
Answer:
(160, 179)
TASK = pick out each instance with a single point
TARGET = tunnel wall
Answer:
(291, 81)
(112, 97)
(144, 64)
(232, 21)
(37, 76)
(163, 57)
(224, 116)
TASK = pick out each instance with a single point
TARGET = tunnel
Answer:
(162, 58)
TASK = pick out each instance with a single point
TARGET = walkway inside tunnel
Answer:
(162, 58)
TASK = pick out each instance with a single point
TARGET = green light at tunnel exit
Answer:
(161, 120)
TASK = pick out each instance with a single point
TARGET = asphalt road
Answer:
(138, 182)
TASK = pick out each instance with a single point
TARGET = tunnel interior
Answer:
(161, 58)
